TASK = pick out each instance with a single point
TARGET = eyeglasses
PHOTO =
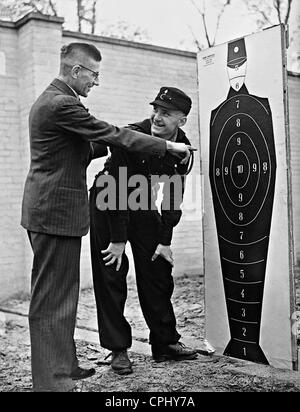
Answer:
(95, 74)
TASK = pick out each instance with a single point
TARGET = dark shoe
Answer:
(177, 351)
(120, 363)
(81, 373)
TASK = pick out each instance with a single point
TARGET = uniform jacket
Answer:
(61, 131)
(147, 165)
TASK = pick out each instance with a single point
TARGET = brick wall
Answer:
(131, 75)
(11, 240)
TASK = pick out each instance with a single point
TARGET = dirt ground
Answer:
(205, 374)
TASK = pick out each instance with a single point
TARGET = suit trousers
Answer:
(155, 283)
(53, 309)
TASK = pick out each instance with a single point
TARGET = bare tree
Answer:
(14, 9)
(87, 19)
(124, 30)
(201, 8)
(86, 14)
(270, 12)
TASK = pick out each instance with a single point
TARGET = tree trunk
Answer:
(94, 17)
(79, 14)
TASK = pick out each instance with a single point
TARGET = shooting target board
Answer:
(247, 219)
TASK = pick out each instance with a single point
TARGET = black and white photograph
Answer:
(149, 198)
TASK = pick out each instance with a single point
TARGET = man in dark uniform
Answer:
(150, 235)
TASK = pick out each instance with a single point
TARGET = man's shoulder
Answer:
(59, 95)
(54, 98)
(144, 126)
(182, 138)
(60, 102)
(64, 99)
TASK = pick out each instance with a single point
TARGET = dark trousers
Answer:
(52, 312)
(154, 281)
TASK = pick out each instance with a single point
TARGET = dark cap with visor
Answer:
(173, 98)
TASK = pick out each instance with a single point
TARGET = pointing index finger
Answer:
(192, 149)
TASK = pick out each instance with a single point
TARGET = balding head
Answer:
(79, 66)
(77, 53)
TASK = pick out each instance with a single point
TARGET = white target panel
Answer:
(248, 245)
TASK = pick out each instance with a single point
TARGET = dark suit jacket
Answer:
(61, 131)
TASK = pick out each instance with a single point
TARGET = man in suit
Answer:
(63, 140)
